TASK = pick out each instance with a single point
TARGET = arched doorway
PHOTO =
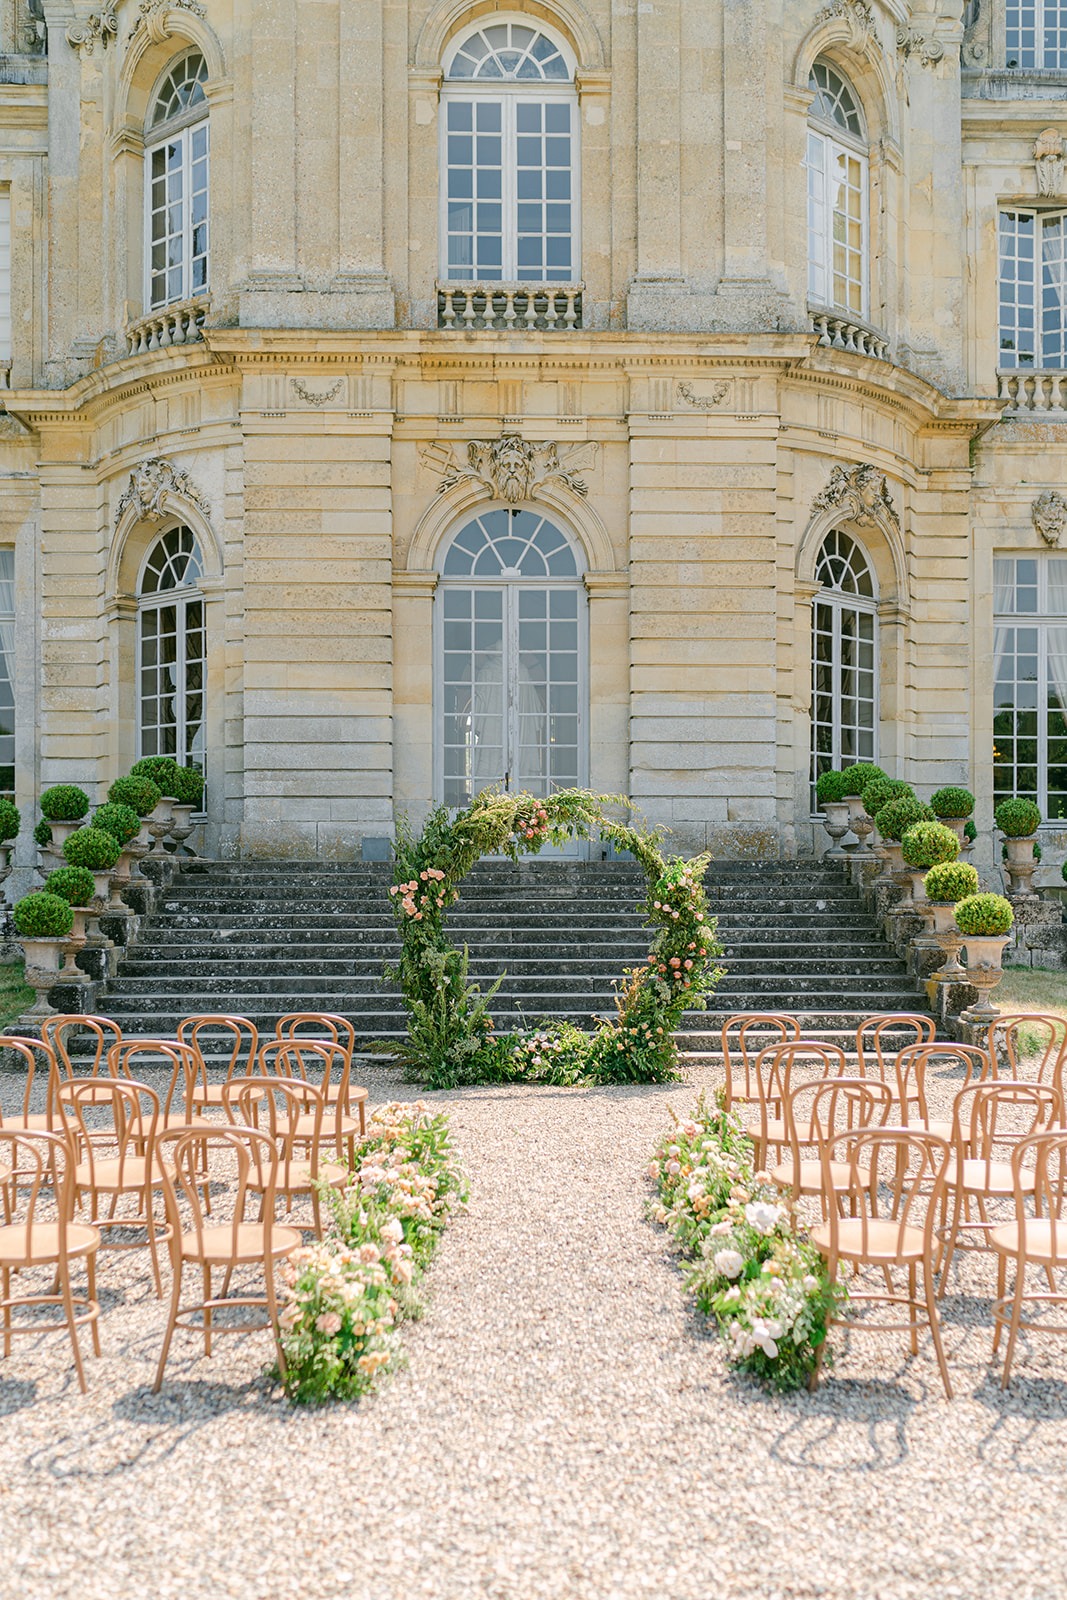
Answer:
(511, 689)
(171, 652)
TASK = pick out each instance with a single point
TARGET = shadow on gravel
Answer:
(16, 1394)
(857, 1409)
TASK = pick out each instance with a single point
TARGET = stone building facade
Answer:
(406, 395)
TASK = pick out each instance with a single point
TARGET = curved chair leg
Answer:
(90, 1278)
(68, 1311)
(1016, 1318)
(172, 1318)
(935, 1325)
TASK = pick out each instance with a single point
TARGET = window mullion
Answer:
(835, 680)
(509, 189)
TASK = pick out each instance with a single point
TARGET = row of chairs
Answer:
(105, 1137)
(899, 1188)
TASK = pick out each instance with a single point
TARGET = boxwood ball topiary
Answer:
(929, 844)
(188, 786)
(64, 803)
(43, 916)
(896, 817)
(121, 821)
(160, 769)
(73, 884)
(969, 830)
(140, 794)
(42, 834)
(859, 775)
(881, 791)
(10, 821)
(92, 848)
(951, 802)
(830, 787)
(1017, 818)
(984, 914)
(950, 882)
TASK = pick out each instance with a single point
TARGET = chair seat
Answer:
(1039, 1243)
(114, 1176)
(777, 1133)
(873, 1240)
(299, 1179)
(178, 1119)
(32, 1121)
(986, 1177)
(21, 1245)
(811, 1176)
(217, 1243)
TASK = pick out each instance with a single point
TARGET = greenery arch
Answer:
(451, 1039)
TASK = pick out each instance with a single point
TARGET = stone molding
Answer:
(511, 468)
(858, 16)
(154, 17)
(99, 26)
(1049, 515)
(861, 495)
(154, 485)
(927, 51)
(1048, 162)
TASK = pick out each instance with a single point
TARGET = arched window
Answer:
(509, 203)
(837, 195)
(171, 650)
(511, 664)
(176, 184)
(844, 665)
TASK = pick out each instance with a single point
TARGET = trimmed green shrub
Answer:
(64, 803)
(881, 791)
(894, 819)
(140, 794)
(160, 769)
(122, 822)
(929, 844)
(952, 802)
(984, 914)
(969, 830)
(42, 834)
(859, 775)
(73, 884)
(92, 848)
(10, 821)
(1017, 818)
(43, 916)
(951, 882)
(829, 787)
(188, 786)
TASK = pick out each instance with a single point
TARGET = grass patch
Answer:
(15, 992)
(1033, 989)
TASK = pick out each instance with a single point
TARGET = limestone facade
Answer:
(690, 417)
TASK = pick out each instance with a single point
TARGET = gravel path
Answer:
(565, 1427)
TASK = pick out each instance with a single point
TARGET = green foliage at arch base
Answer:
(451, 1039)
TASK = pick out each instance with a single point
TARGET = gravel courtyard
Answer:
(565, 1426)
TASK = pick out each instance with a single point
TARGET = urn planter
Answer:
(160, 821)
(1020, 864)
(950, 939)
(862, 826)
(71, 972)
(836, 822)
(43, 958)
(985, 956)
(182, 825)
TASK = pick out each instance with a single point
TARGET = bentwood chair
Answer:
(240, 1240)
(1035, 1236)
(275, 1106)
(98, 1034)
(41, 1233)
(776, 1071)
(325, 1068)
(818, 1112)
(882, 1190)
(33, 1056)
(1028, 1047)
(178, 1061)
(955, 1064)
(743, 1036)
(114, 1143)
(329, 1028)
(877, 1039)
(236, 1039)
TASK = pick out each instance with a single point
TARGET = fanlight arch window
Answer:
(511, 668)
(844, 665)
(171, 650)
(838, 180)
(509, 159)
(176, 185)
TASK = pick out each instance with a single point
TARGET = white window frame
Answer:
(506, 94)
(179, 597)
(839, 601)
(1041, 621)
(836, 142)
(1036, 15)
(1008, 360)
(177, 130)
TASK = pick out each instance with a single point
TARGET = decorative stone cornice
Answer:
(1049, 515)
(1048, 162)
(928, 52)
(154, 17)
(153, 486)
(703, 402)
(100, 25)
(511, 468)
(856, 13)
(861, 495)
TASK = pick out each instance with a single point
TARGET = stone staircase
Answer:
(262, 939)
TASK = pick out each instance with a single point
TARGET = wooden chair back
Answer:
(962, 1063)
(877, 1056)
(991, 1118)
(325, 1025)
(778, 1065)
(1028, 1046)
(34, 1055)
(114, 1120)
(324, 1070)
(237, 1035)
(179, 1061)
(250, 1160)
(44, 1194)
(60, 1031)
(743, 1036)
(275, 1107)
(883, 1184)
(817, 1112)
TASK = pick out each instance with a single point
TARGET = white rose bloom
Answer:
(732, 1294)
(762, 1216)
(722, 1228)
(728, 1263)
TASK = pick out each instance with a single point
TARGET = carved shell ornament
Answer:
(861, 495)
(151, 488)
(512, 468)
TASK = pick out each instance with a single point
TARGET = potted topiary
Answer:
(10, 822)
(830, 791)
(142, 796)
(76, 886)
(42, 838)
(945, 886)
(63, 807)
(877, 794)
(189, 789)
(97, 851)
(162, 770)
(893, 822)
(124, 824)
(953, 806)
(985, 922)
(43, 922)
(925, 845)
(1019, 820)
(855, 780)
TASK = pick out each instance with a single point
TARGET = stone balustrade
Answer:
(509, 305)
(170, 325)
(1029, 390)
(841, 333)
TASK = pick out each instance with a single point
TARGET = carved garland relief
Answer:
(511, 468)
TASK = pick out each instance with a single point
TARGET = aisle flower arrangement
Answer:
(346, 1296)
(749, 1266)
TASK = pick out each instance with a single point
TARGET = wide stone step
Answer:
(281, 963)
